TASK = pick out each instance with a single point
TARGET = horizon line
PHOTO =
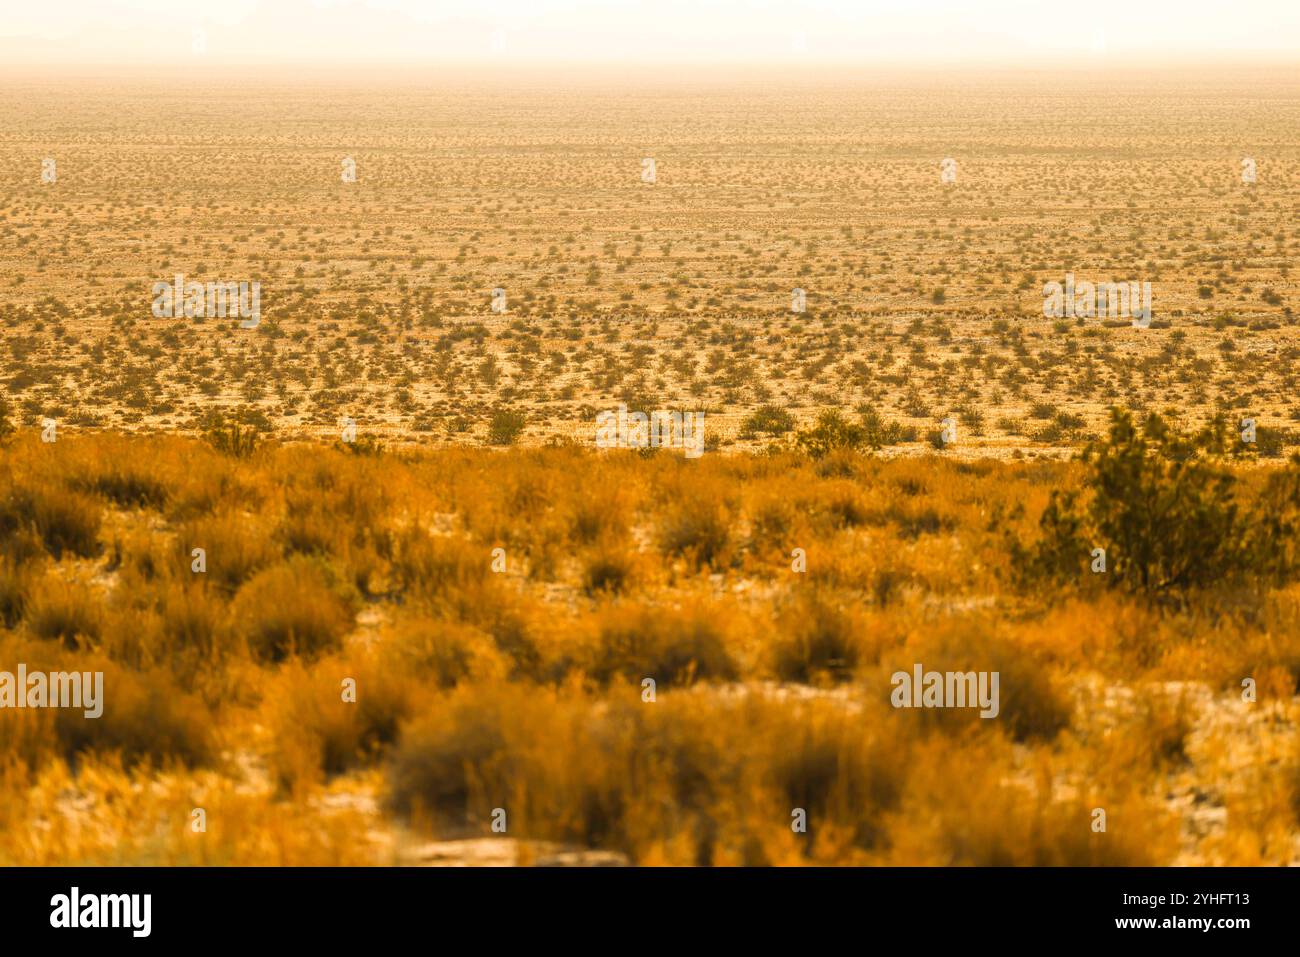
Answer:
(1117, 63)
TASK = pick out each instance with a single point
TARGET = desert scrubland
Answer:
(374, 577)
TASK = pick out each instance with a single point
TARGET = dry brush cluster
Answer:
(499, 611)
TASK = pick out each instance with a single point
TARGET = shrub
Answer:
(832, 433)
(127, 481)
(1165, 512)
(63, 520)
(999, 823)
(768, 419)
(1271, 442)
(816, 640)
(878, 433)
(66, 611)
(445, 570)
(365, 445)
(442, 754)
(236, 545)
(235, 433)
(16, 581)
(695, 780)
(608, 570)
(318, 732)
(296, 607)
(442, 653)
(697, 527)
(841, 777)
(7, 427)
(506, 427)
(595, 516)
(1030, 706)
(146, 717)
(672, 647)
(193, 621)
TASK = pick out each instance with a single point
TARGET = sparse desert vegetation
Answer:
(358, 576)
(377, 294)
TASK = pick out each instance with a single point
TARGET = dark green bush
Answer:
(506, 427)
(770, 420)
(1166, 508)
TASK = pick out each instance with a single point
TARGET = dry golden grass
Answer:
(521, 688)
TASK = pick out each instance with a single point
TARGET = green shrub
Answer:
(506, 427)
(1165, 509)
(832, 433)
(768, 419)
(236, 432)
(878, 433)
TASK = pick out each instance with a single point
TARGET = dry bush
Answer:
(146, 717)
(444, 571)
(845, 778)
(442, 653)
(180, 626)
(696, 526)
(1030, 707)
(237, 545)
(62, 519)
(690, 779)
(112, 468)
(318, 731)
(298, 607)
(609, 570)
(819, 638)
(68, 611)
(1000, 823)
(672, 646)
(16, 582)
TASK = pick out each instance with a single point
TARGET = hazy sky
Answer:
(851, 31)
